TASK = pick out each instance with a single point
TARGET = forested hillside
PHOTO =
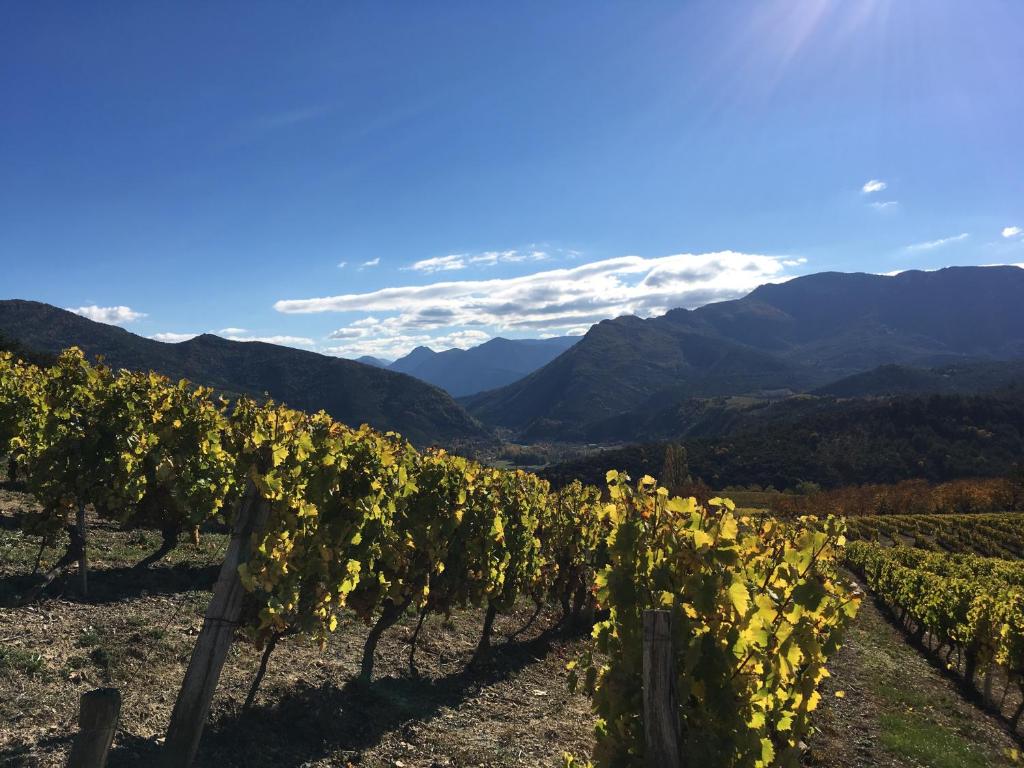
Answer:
(349, 391)
(841, 442)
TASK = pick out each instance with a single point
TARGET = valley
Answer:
(512, 385)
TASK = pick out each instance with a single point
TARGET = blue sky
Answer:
(482, 169)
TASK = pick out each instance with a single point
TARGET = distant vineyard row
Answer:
(911, 497)
(354, 520)
(972, 606)
(989, 535)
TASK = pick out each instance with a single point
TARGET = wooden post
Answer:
(83, 557)
(214, 641)
(661, 715)
(97, 721)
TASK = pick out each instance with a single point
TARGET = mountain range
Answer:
(351, 392)
(686, 373)
(490, 365)
(781, 338)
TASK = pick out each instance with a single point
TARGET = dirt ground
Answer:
(137, 630)
(136, 634)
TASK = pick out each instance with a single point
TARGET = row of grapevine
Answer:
(990, 535)
(971, 604)
(357, 521)
(911, 497)
(758, 607)
(138, 448)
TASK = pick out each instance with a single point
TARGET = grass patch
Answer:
(103, 657)
(912, 735)
(89, 637)
(20, 660)
(900, 696)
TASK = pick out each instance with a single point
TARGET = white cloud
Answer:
(490, 258)
(554, 301)
(887, 205)
(342, 264)
(874, 185)
(119, 315)
(456, 261)
(1012, 231)
(284, 341)
(366, 322)
(239, 334)
(370, 263)
(895, 272)
(173, 338)
(930, 245)
(439, 264)
(393, 347)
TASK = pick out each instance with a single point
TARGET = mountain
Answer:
(376, 362)
(351, 392)
(835, 442)
(413, 360)
(794, 336)
(22, 352)
(492, 364)
(965, 379)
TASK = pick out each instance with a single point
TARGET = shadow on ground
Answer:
(112, 585)
(313, 722)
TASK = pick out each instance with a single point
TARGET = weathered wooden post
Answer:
(83, 557)
(214, 641)
(98, 713)
(661, 715)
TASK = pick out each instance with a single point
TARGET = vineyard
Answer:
(332, 524)
(958, 605)
(989, 535)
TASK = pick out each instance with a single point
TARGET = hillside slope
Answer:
(834, 442)
(351, 392)
(965, 379)
(797, 335)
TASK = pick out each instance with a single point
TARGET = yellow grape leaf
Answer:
(278, 455)
(739, 596)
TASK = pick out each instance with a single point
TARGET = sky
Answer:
(362, 178)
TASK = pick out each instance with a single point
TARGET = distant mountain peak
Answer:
(494, 363)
